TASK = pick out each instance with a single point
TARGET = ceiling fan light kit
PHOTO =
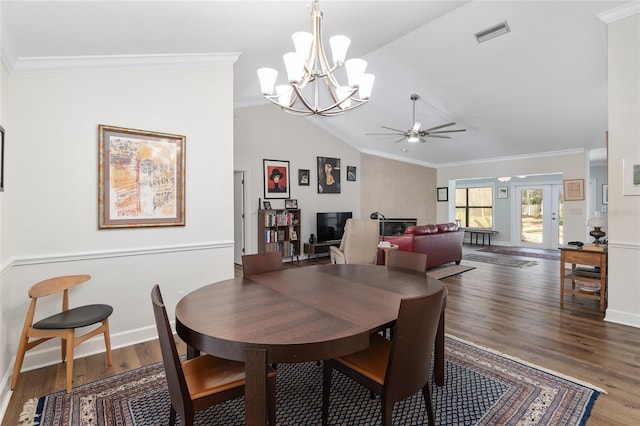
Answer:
(308, 69)
(414, 134)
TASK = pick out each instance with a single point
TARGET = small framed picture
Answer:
(290, 204)
(443, 193)
(303, 177)
(266, 205)
(605, 194)
(503, 192)
(573, 189)
(351, 173)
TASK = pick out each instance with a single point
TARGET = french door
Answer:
(538, 216)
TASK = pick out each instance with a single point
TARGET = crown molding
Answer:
(613, 15)
(70, 63)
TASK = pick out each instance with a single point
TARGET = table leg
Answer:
(192, 352)
(439, 352)
(255, 390)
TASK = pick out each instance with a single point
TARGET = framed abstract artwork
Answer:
(140, 178)
(276, 179)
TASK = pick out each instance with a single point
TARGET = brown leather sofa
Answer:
(442, 242)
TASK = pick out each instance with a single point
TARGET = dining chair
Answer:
(359, 243)
(62, 324)
(203, 381)
(407, 261)
(395, 369)
(261, 262)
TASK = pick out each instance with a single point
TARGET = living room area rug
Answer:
(444, 271)
(482, 387)
(524, 252)
(499, 260)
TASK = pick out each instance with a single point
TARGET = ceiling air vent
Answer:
(495, 31)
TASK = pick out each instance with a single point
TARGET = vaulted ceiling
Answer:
(541, 88)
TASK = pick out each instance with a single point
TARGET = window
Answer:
(474, 207)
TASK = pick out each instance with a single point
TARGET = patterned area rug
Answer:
(482, 388)
(444, 271)
(519, 251)
(499, 260)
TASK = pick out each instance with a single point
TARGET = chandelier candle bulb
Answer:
(339, 46)
(267, 78)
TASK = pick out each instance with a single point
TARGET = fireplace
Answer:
(395, 226)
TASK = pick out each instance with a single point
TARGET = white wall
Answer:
(572, 165)
(266, 132)
(50, 212)
(624, 143)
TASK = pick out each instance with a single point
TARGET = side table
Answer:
(594, 279)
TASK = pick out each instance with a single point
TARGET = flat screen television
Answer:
(330, 225)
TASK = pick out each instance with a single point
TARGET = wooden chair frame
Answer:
(67, 335)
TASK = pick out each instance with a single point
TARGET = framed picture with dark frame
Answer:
(1, 158)
(328, 175)
(351, 173)
(141, 178)
(503, 192)
(443, 193)
(266, 205)
(304, 176)
(276, 179)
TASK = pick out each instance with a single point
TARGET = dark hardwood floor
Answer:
(512, 310)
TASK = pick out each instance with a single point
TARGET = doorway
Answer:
(538, 216)
(239, 217)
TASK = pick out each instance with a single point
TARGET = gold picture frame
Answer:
(141, 178)
(573, 189)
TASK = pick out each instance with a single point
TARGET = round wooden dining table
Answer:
(296, 315)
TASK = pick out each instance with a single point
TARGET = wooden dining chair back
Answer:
(407, 261)
(203, 381)
(394, 369)
(62, 324)
(261, 262)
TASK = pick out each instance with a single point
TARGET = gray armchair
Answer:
(359, 243)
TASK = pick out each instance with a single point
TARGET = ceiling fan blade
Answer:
(382, 134)
(395, 130)
(401, 139)
(441, 126)
(448, 131)
(439, 136)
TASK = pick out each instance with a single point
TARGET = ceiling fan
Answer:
(415, 134)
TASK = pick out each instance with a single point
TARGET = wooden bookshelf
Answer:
(279, 230)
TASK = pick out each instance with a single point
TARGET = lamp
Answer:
(308, 67)
(376, 216)
(596, 222)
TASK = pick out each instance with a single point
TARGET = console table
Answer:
(479, 231)
(594, 280)
(315, 249)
